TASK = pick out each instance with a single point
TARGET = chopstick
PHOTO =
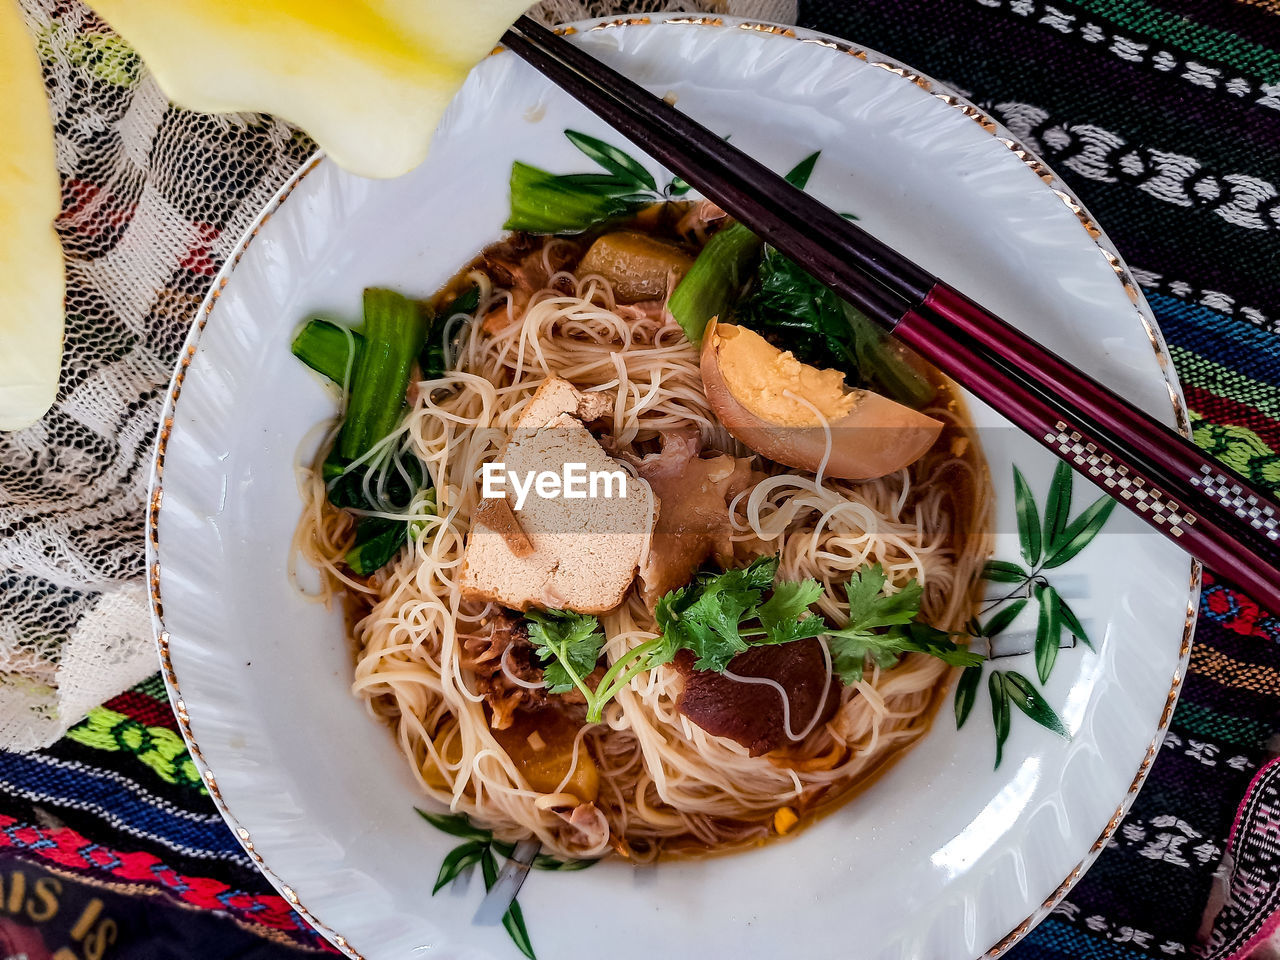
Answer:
(1206, 508)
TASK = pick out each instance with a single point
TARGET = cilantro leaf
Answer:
(757, 575)
(709, 617)
(711, 630)
(705, 617)
(870, 610)
(568, 643)
(785, 615)
(850, 647)
(705, 623)
(922, 638)
(787, 306)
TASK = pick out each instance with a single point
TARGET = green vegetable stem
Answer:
(722, 269)
(394, 332)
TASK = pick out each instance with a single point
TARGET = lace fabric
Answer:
(154, 198)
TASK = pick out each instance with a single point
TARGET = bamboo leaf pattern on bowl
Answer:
(999, 711)
(617, 162)
(1023, 694)
(1047, 539)
(1048, 630)
(482, 847)
(967, 693)
(1028, 518)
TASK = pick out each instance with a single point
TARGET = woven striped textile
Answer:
(1164, 117)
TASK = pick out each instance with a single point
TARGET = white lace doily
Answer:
(153, 198)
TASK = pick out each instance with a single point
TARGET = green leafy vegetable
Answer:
(326, 347)
(434, 359)
(785, 615)
(542, 202)
(715, 279)
(881, 627)
(394, 331)
(705, 616)
(789, 307)
(465, 302)
(722, 269)
(869, 607)
(881, 363)
(720, 615)
(712, 617)
(709, 617)
(375, 366)
(378, 540)
(569, 644)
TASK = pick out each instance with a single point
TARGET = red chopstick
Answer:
(1208, 509)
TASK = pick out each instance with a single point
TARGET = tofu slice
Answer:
(585, 550)
(556, 396)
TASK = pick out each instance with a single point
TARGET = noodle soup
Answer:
(739, 644)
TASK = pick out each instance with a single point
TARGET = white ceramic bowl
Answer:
(943, 857)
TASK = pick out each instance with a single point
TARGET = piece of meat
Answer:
(654, 310)
(507, 637)
(693, 520)
(697, 220)
(752, 713)
(520, 264)
(591, 824)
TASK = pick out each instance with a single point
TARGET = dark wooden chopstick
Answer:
(1209, 510)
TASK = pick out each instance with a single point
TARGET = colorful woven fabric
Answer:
(115, 805)
(1164, 117)
(1254, 848)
